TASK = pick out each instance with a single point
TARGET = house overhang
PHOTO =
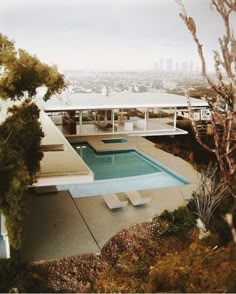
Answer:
(72, 102)
(60, 164)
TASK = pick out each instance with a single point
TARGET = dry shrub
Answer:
(125, 241)
(196, 269)
(71, 275)
(131, 254)
(177, 222)
(212, 189)
(111, 282)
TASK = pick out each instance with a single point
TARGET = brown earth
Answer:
(164, 255)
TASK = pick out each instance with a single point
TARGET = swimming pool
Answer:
(147, 173)
(115, 164)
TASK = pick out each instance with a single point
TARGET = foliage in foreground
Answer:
(20, 154)
(177, 222)
(199, 268)
(212, 190)
(20, 134)
(137, 259)
(16, 276)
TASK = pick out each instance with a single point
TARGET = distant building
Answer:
(177, 67)
(105, 91)
(161, 64)
(190, 66)
(156, 66)
(169, 64)
(198, 114)
(184, 67)
(169, 84)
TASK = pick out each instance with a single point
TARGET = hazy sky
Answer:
(108, 34)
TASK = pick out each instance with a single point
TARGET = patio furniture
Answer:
(128, 126)
(134, 119)
(113, 201)
(136, 198)
(105, 126)
(141, 123)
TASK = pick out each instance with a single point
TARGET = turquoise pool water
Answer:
(115, 164)
(121, 171)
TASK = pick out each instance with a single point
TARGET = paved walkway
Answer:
(59, 226)
(54, 228)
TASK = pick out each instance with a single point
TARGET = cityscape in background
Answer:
(169, 65)
(165, 76)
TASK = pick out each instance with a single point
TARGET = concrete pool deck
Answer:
(59, 226)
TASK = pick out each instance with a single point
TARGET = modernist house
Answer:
(132, 114)
(139, 114)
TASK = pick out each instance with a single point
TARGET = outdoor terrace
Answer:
(111, 114)
(154, 126)
(72, 226)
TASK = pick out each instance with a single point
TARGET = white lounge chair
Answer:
(136, 198)
(113, 201)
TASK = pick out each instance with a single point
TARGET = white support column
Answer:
(145, 119)
(105, 116)
(80, 121)
(175, 117)
(113, 120)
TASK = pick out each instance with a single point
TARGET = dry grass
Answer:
(139, 259)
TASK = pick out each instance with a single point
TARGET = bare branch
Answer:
(223, 119)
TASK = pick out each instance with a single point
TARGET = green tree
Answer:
(20, 155)
(22, 72)
(7, 51)
(14, 181)
(21, 133)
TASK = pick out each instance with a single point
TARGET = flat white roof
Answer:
(60, 167)
(93, 101)
(56, 167)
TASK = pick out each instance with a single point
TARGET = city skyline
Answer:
(105, 35)
(169, 65)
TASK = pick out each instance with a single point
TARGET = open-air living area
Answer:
(123, 125)
(143, 114)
